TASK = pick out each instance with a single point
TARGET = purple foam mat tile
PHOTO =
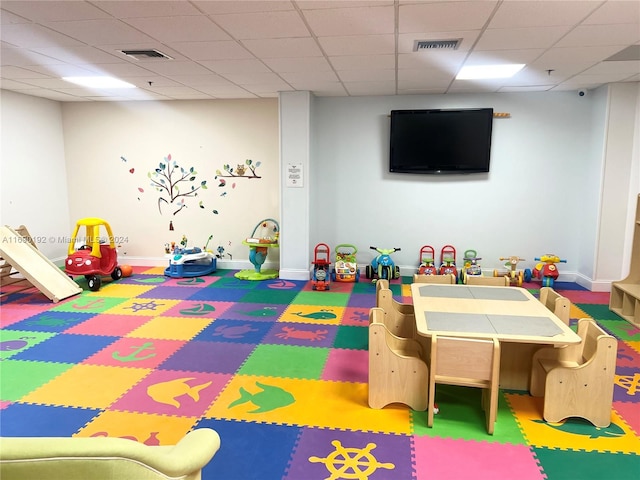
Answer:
(168, 292)
(264, 312)
(323, 453)
(361, 300)
(624, 389)
(215, 357)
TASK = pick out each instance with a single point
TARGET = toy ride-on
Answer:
(346, 266)
(516, 277)
(546, 270)
(470, 266)
(321, 278)
(427, 261)
(448, 261)
(94, 258)
(382, 266)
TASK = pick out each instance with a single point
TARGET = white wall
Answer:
(33, 177)
(532, 202)
(99, 136)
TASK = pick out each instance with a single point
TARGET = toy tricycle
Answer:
(382, 266)
(448, 261)
(470, 266)
(427, 261)
(346, 267)
(516, 277)
(321, 278)
(546, 270)
(94, 258)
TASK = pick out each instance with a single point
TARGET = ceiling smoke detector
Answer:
(422, 45)
(146, 54)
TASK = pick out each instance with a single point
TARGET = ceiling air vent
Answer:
(422, 45)
(145, 54)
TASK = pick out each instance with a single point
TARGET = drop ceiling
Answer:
(254, 49)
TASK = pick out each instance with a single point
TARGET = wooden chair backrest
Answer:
(559, 305)
(448, 279)
(465, 361)
(491, 281)
(592, 338)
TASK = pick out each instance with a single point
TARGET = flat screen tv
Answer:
(441, 141)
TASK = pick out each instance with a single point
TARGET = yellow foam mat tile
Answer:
(338, 405)
(577, 312)
(170, 328)
(87, 386)
(573, 434)
(121, 290)
(322, 315)
(142, 427)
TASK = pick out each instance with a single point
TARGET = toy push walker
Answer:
(321, 277)
(448, 261)
(346, 266)
(427, 261)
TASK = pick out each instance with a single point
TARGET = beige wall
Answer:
(99, 137)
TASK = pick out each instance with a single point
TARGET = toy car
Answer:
(427, 261)
(546, 270)
(448, 261)
(383, 266)
(93, 259)
(346, 266)
(516, 277)
(321, 277)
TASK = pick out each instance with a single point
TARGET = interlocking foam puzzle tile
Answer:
(575, 312)
(176, 328)
(364, 286)
(358, 300)
(356, 316)
(634, 345)
(135, 352)
(30, 297)
(562, 286)
(141, 427)
(336, 287)
(51, 321)
(88, 304)
(312, 314)
(265, 312)
(627, 356)
(235, 331)
(14, 341)
(301, 334)
(108, 324)
(295, 402)
(585, 296)
(66, 348)
(352, 337)
(238, 458)
(626, 384)
(324, 453)
(20, 377)
(198, 309)
(24, 420)
(199, 282)
(621, 329)
(277, 297)
(446, 458)
(461, 416)
(280, 284)
(577, 465)
(176, 393)
(119, 290)
(630, 413)
(323, 299)
(285, 361)
(573, 433)
(346, 365)
(10, 314)
(151, 270)
(233, 283)
(214, 357)
(149, 307)
(599, 312)
(87, 386)
(172, 292)
(210, 294)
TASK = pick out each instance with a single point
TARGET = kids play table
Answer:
(516, 318)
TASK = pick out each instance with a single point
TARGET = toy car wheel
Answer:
(368, 271)
(94, 283)
(117, 273)
(396, 273)
(527, 275)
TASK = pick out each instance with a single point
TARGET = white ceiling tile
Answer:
(21, 73)
(34, 36)
(594, 35)
(541, 13)
(146, 8)
(179, 29)
(423, 78)
(263, 25)
(447, 60)
(499, 57)
(529, 88)
(245, 6)
(560, 55)
(54, 11)
(351, 21)
(303, 64)
(367, 75)
(283, 47)
(254, 78)
(358, 45)
(169, 67)
(319, 4)
(299, 77)
(101, 32)
(224, 50)
(520, 38)
(249, 65)
(78, 54)
(359, 62)
(444, 16)
(371, 88)
(629, 67)
(615, 12)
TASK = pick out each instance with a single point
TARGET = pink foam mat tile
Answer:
(109, 324)
(446, 458)
(346, 365)
(356, 316)
(630, 413)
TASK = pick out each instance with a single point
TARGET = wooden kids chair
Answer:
(399, 318)
(468, 362)
(491, 281)
(577, 380)
(559, 305)
(398, 372)
(448, 279)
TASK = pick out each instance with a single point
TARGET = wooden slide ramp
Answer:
(19, 255)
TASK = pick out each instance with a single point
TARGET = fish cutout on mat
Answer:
(270, 398)
(167, 392)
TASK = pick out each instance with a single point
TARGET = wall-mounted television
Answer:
(450, 141)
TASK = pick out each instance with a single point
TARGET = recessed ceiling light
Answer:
(476, 72)
(99, 82)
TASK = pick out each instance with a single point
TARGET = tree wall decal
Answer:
(168, 179)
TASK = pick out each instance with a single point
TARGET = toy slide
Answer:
(20, 253)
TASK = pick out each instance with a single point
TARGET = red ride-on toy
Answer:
(321, 277)
(448, 261)
(546, 270)
(427, 261)
(93, 259)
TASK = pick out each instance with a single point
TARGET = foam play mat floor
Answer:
(280, 372)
